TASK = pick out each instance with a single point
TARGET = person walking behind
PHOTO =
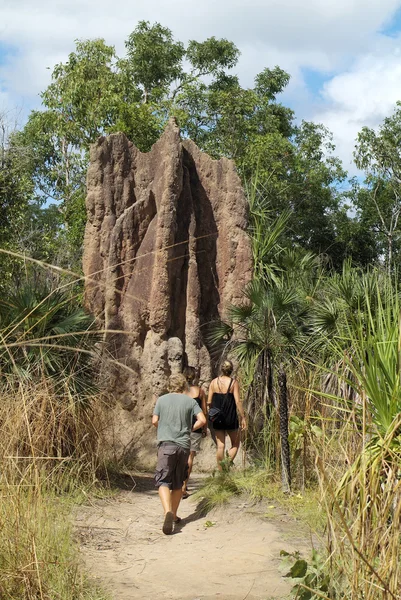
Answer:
(173, 416)
(199, 395)
(224, 396)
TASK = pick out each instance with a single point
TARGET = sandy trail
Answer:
(236, 558)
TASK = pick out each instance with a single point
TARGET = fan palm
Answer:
(43, 333)
(264, 333)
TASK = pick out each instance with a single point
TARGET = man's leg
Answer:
(176, 496)
(179, 477)
(221, 443)
(166, 458)
(165, 497)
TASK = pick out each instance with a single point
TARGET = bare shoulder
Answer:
(213, 384)
(194, 391)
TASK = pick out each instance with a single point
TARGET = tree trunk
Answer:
(390, 252)
(265, 393)
(285, 446)
(270, 383)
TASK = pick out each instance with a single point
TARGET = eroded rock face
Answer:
(165, 254)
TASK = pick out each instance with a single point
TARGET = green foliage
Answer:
(16, 190)
(154, 59)
(140, 122)
(80, 104)
(378, 203)
(312, 578)
(41, 236)
(372, 334)
(83, 94)
(300, 431)
(44, 335)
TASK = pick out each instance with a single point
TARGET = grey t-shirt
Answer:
(175, 412)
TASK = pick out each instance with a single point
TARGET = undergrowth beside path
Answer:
(260, 485)
(48, 461)
(38, 556)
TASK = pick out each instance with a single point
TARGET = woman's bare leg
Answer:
(221, 444)
(235, 438)
(191, 457)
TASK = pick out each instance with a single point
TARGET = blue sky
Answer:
(344, 56)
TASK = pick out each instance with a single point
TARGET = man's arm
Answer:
(200, 421)
(156, 414)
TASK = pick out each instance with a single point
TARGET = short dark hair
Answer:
(189, 374)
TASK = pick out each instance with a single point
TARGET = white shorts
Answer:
(196, 439)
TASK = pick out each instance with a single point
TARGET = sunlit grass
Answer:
(38, 558)
(49, 458)
(260, 485)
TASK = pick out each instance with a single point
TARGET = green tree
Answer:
(95, 93)
(154, 59)
(16, 190)
(80, 104)
(379, 202)
(41, 235)
(226, 119)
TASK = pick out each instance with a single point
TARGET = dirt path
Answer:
(236, 558)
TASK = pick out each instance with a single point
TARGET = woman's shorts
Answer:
(196, 439)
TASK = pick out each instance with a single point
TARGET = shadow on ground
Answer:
(143, 483)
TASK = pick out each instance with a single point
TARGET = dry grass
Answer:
(48, 447)
(363, 514)
(42, 432)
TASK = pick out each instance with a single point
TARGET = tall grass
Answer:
(48, 451)
(362, 493)
(38, 559)
(345, 399)
(51, 438)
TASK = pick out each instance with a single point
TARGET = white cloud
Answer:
(364, 95)
(309, 33)
(326, 36)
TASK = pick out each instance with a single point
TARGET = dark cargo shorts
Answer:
(172, 465)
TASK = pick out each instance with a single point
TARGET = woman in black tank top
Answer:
(224, 395)
(199, 395)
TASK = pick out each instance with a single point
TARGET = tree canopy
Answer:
(95, 92)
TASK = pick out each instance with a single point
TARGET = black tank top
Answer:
(226, 403)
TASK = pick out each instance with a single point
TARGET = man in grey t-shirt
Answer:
(173, 416)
